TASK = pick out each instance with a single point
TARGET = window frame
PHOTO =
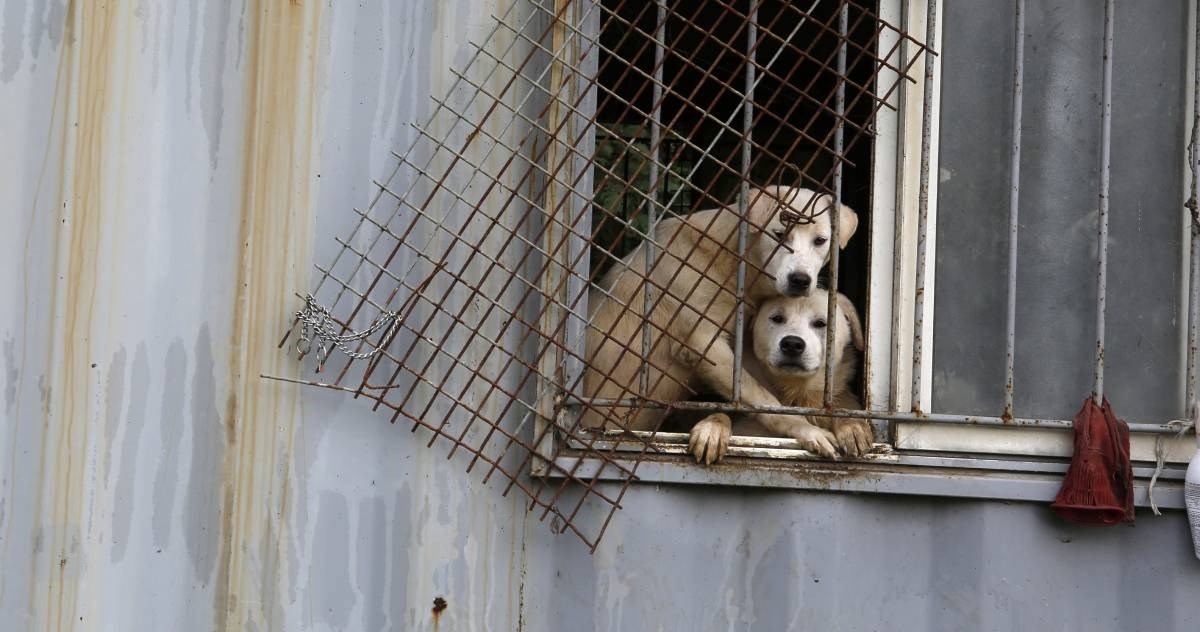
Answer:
(934, 455)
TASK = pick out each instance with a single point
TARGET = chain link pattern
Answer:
(319, 324)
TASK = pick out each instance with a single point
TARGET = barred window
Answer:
(831, 244)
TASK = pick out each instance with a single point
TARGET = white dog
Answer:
(788, 342)
(693, 289)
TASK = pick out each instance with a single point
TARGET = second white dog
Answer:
(788, 341)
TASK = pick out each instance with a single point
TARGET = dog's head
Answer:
(789, 333)
(793, 252)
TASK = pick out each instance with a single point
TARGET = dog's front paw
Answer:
(854, 436)
(816, 440)
(710, 438)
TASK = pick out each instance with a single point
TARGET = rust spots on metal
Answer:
(439, 604)
(830, 476)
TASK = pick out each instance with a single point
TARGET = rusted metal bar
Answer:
(915, 417)
(1014, 203)
(660, 34)
(835, 249)
(739, 327)
(1105, 172)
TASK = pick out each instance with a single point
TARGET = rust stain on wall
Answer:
(90, 114)
(439, 604)
(275, 240)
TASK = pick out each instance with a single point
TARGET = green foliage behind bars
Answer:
(623, 194)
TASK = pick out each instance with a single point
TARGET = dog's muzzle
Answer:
(791, 346)
(798, 284)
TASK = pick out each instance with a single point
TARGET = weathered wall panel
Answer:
(167, 173)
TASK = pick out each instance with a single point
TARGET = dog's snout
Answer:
(791, 345)
(798, 283)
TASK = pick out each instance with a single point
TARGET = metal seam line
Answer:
(1193, 155)
(1014, 197)
(1102, 240)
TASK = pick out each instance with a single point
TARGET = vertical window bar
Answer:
(834, 242)
(898, 214)
(1014, 196)
(923, 205)
(1194, 273)
(660, 26)
(1105, 164)
(744, 202)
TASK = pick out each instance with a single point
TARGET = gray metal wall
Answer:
(168, 172)
(1059, 202)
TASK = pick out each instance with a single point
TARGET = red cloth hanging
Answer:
(1098, 488)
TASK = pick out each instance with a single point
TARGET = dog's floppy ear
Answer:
(847, 224)
(851, 314)
(764, 202)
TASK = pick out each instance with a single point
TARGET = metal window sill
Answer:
(901, 472)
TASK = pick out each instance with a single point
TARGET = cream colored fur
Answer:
(801, 385)
(691, 323)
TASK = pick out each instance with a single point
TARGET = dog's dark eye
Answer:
(818, 323)
(820, 241)
(777, 319)
(779, 234)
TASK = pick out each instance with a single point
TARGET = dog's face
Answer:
(793, 253)
(789, 333)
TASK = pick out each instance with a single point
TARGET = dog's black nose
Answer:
(791, 345)
(798, 283)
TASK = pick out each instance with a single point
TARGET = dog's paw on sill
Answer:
(739, 446)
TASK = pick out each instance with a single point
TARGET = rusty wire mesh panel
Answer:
(459, 302)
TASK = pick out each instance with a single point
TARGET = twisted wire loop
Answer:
(317, 322)
(793, 218)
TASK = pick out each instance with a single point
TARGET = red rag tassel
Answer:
(1098, 488)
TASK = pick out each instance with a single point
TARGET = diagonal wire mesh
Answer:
(572, 140)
